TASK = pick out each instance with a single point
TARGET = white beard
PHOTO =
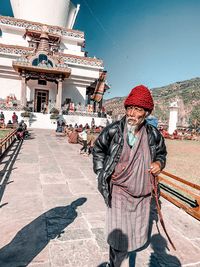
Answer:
(132, 128)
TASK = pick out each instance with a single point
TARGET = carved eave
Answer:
(67, 58)
(36, 26)
(15, 49)
(22, 67)
(53, 38)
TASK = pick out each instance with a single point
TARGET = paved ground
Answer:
(51, 213)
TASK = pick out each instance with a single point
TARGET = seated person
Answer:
(87, 126)
(73, 137)
(22, 131)
(9, 124)
(59, 128)
(68, 129)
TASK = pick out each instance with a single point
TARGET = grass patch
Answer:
(3, 133)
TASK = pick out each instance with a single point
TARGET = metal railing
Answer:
(182, 193)
(7, 141)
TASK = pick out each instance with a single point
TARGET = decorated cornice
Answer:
(14, 49)
(36, 26)
(26, 66)
(67, 58)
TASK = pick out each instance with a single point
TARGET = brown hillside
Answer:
(186, 93)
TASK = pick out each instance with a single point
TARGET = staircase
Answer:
(41, 121)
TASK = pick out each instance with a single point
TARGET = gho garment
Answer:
(131, 196)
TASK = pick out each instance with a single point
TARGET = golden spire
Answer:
(44, 43)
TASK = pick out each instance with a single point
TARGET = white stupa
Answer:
(173, 117)
(62, 14)
(44, 65)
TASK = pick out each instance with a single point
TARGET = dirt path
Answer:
(184, 159)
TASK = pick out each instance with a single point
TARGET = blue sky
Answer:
(151, 42)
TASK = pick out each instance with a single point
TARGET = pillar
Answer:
(59, 94)
(94, 107)
(101, 104)
(23, 90)
(89, 98)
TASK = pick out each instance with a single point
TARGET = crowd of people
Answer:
(11, 123)
(181, 134)
(82, 134)
(87, 134)
(71, 107)
(22, 131)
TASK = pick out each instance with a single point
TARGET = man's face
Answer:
(135, 115)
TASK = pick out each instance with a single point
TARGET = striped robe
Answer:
(127, 220)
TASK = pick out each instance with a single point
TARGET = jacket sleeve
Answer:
(161, 151)
(100, 150)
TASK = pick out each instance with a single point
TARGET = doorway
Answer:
(41, 100)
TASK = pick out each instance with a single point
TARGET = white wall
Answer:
(73, 52)
(70, 119)
(84, 72)
(13, 38)
(7, 60)
(71, 47)
(76, 93)
(10, 86)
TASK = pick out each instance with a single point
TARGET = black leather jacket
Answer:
(108, 148)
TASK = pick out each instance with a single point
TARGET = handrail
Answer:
(181, 180)
(187, 199)
(7, 141)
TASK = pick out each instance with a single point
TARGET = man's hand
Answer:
(155, 168)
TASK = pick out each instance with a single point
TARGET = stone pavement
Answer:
(51, 213)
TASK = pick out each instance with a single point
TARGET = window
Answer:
(42, 82)
(42, 61)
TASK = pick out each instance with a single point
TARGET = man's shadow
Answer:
(159, 256)
(34, 237)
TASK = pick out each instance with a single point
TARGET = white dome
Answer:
(53, 12)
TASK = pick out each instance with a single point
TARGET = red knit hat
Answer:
(140, 96)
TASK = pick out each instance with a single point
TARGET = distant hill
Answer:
(187, 93)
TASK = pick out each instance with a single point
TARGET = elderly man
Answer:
(127, 155)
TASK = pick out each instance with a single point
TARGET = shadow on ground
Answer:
(159, 256)
(34, 237)
(11, 156)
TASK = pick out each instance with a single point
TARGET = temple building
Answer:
(43, 62)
